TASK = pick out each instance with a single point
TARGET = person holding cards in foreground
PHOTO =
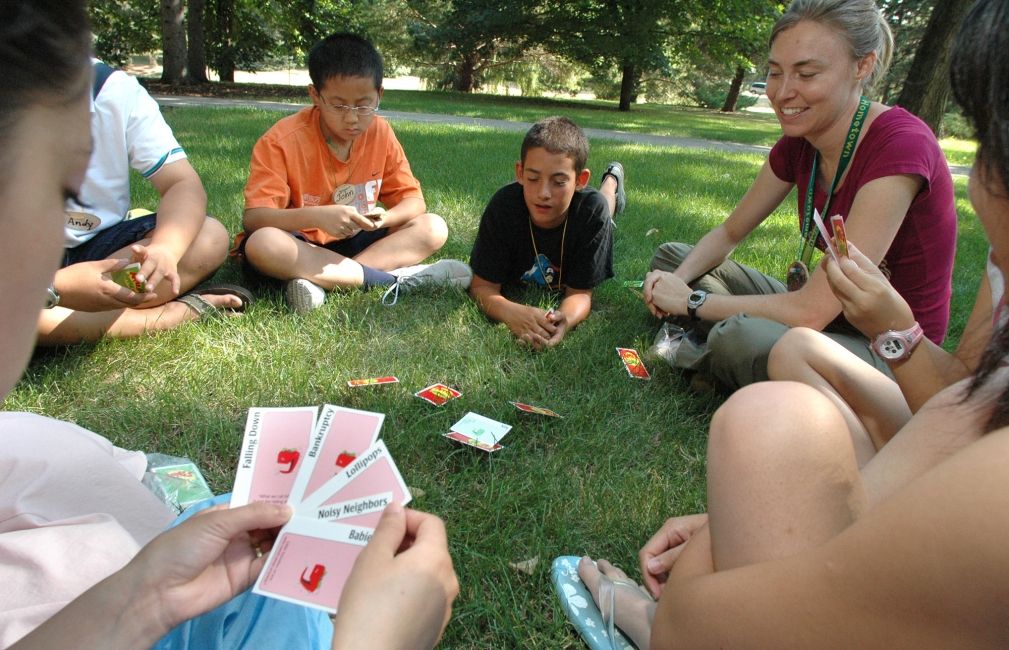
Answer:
(316, 178)
(879, 167)
(81, 559)
(547, 229)
(170, 252)
(801, 547)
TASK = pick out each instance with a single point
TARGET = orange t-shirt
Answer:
(292, 167)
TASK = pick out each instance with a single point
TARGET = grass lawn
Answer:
(627, 454)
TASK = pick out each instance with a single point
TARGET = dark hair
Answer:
(44, 53)
(558, 135)
(858, 22)
(344, 55)
(979, 77)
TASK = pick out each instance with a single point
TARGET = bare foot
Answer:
(634, 608)
(176, 311)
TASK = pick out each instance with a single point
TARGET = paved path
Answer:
(621, 136)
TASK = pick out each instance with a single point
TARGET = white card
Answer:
(481, 429)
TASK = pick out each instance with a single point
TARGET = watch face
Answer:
(696, 299)
(891, 347)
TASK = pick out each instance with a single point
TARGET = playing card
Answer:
(183, 484)
(127, 277)
(823, 233)
(840, 239)
(633, 284)
(632, 362)
(274, 443)
(311, 561)
(373, 381)
(479, 431)
(537, 410)
(340, 435)
(438, 394)
(373, 475)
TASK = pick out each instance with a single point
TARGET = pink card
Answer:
(357, 495)
(340, 436)
(310, 563)
(274, 444)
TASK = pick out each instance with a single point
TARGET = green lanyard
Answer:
(809, 233)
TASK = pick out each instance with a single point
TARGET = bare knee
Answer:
(778, 427)
(792, 353)
(208, 249)
(269, 247)
(431, 230)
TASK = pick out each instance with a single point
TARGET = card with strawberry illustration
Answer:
(359, 493)
(340, 435)
(372, 381)
(535, 410)
(478, 431)
(127, 277)
(438, 394)
(311, 561)
(275, 441)
(633, 363)
(840, 239)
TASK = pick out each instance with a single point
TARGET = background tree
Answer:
(123, 27)
(173, 41)
(926, 88)
(196, 54)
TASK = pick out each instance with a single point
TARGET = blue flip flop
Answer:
(581, 610)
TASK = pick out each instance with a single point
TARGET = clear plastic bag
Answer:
(667, 343)
(176, 481)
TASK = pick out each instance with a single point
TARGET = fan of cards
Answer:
(336, 475)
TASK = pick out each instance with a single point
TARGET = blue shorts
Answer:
(108, 241)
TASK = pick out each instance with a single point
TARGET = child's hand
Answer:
(343, 221)
(867, 298)
(531, 326)
(560, 321)
(88, 286)
(156, 264)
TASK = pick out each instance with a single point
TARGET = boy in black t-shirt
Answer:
(549, 229)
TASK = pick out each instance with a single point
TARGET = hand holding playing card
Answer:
(204, 561)
(400, 592)
(867, 298)
(157, 264)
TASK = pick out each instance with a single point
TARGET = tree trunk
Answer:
(926, 87)
(465, 79)
(733, 96)
(226, 25)
(628, 83)
(173, 41)
(196, 57)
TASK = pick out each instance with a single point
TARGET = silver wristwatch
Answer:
(694, 302)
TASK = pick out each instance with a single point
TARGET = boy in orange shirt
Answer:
(316, 178)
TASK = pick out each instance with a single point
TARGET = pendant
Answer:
(797, 275)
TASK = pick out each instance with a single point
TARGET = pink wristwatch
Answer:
(897, 345)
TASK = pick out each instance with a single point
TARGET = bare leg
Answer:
(407, 244)
(60, 326)
(608, 188)
(870, 402)
(782, 475)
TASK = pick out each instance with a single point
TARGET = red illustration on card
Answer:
(345, 458)
(632, 362)
(288, 457)
(314, 579)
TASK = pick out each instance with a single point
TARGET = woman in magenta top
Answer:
(893, 190)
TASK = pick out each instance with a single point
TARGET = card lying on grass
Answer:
(275, 441)
(478, 431)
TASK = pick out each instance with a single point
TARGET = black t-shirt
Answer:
(504, 253)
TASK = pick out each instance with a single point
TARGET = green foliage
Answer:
(907, 20)
(124, 27)
(711, 93)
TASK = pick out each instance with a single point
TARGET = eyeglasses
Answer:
(343, 110)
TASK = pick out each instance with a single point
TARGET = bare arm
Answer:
(876, 215)
(889, 576)
(529, 324)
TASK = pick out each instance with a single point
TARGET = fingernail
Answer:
(394, 508)
(655, 565)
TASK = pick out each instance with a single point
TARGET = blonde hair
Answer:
(859, 22)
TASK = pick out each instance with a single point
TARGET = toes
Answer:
(611, 571)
